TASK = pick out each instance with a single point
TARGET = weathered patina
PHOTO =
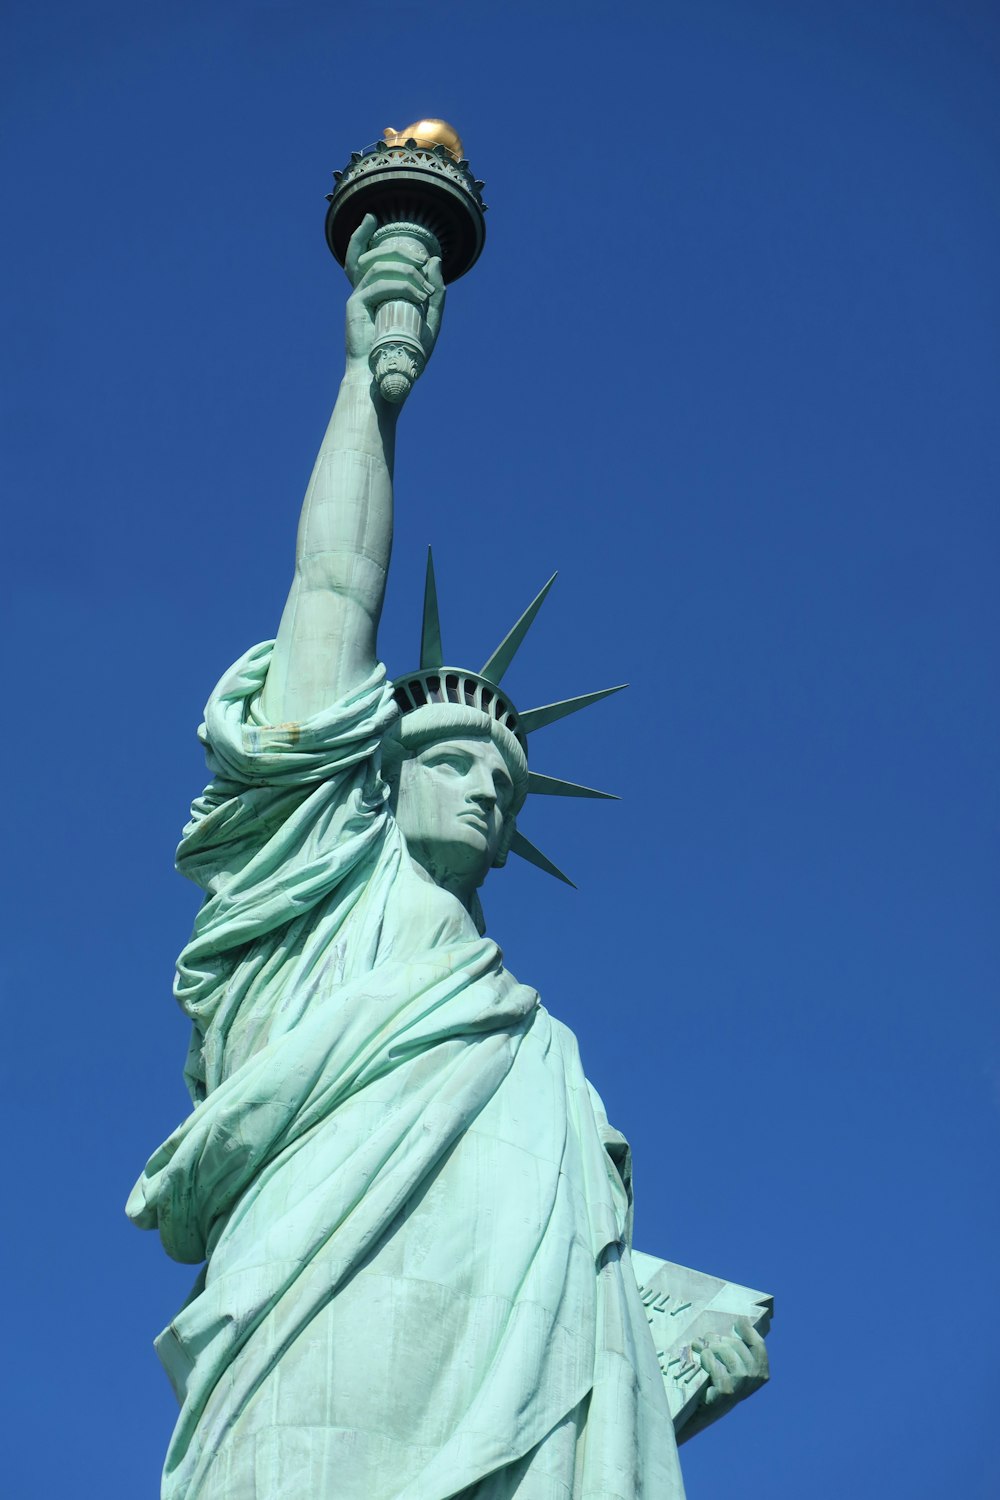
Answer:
(412, 1215)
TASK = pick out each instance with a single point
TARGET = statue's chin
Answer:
(459, 863)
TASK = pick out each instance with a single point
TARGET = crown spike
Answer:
(431, 652)
(537, 718)
(507, 649)
(554, 786)
(527, 850)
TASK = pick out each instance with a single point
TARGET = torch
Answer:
(419, 187)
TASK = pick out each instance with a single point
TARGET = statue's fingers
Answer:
(716, 1372)
(387, 270)
(733, 1355)
(745, 1330)
(755, 1346)
(357, 245)
(393, 254)
(435, 307)
(370, 294)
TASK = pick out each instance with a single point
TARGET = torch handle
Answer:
(398, 353)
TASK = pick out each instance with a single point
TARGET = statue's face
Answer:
(454, 797)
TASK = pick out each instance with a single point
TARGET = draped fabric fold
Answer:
(416, 1234)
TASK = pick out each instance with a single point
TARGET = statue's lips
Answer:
(477, 821)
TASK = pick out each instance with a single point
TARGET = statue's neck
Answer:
(464, 892)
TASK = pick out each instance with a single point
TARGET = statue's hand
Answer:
(735, 1363)
(382, 275)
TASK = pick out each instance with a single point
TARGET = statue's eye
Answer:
(457, 763)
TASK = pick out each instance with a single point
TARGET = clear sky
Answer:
(730, 362)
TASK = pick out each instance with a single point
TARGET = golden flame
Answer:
(428, 133)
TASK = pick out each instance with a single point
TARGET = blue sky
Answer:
(730, 362)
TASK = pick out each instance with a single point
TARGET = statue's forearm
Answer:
(327, 638)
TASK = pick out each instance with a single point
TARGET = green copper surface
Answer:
(502, 657)
(411, 1215)
(431, 652)
(554, 786)
(529, 851)
(538, 718)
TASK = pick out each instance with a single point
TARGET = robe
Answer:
(413, 1215)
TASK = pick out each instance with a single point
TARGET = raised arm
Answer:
(326, 641)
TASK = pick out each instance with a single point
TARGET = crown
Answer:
(474, 699)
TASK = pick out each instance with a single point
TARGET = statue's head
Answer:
(456, 759)
(453, 799)
(458, 773)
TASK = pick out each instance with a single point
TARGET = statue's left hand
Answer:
(735, 1363)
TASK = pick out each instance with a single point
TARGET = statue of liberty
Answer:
(412, 1215)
